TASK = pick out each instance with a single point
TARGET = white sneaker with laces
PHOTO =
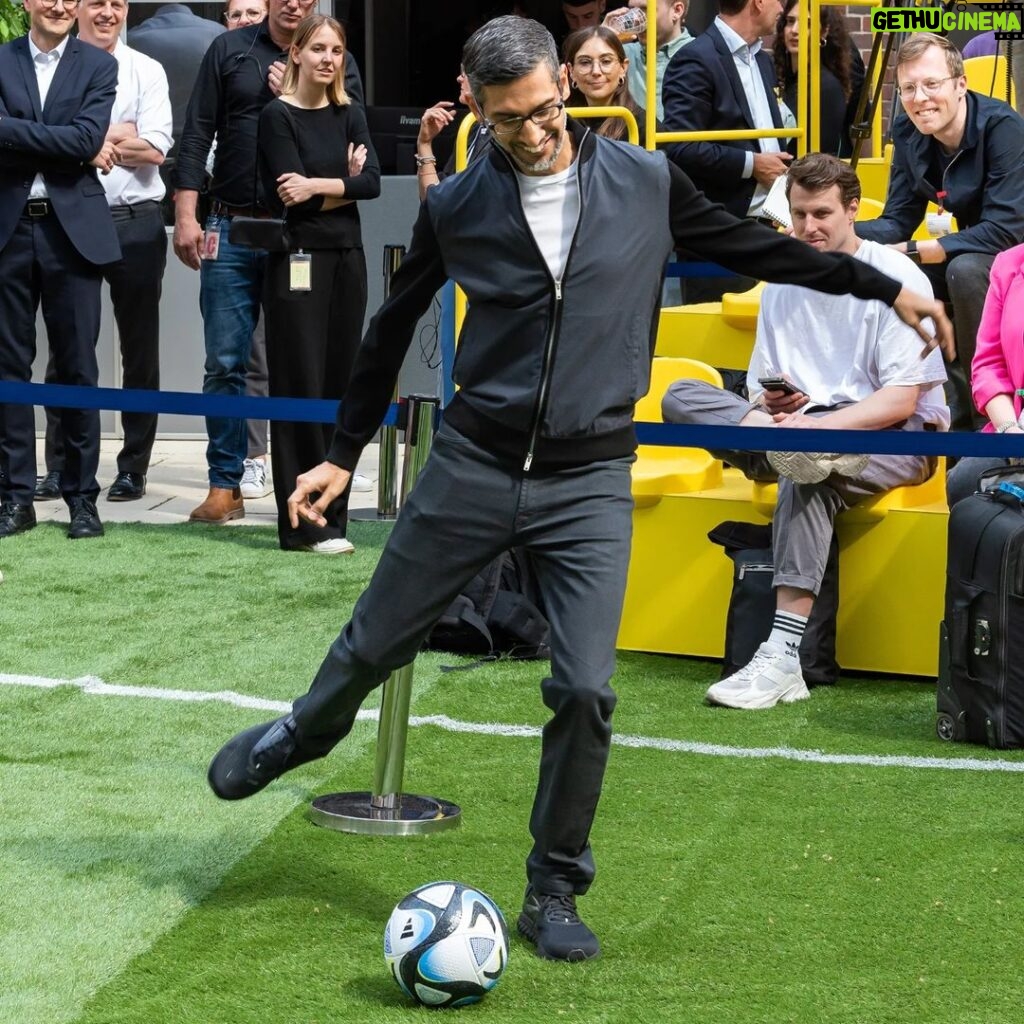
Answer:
(813, 467)
(362, 483)
(333, 546)
(769, 677)
(255, 481)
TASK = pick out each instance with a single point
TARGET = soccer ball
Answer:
(446, 944)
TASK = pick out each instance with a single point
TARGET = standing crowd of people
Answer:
(97, 138)
(273, 159)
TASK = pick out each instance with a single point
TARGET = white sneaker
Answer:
(765, 680)
(362, 483)
(334, 546)
(813, 467)
(255, 481)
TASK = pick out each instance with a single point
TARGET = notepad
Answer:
(776, 205)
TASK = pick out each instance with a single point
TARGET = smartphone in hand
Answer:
(778, 384)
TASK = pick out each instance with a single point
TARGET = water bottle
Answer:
(629, 24)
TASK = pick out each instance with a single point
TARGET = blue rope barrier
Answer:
(183, 403)
(309, 410)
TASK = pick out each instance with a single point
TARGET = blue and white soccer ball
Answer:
(446, 944)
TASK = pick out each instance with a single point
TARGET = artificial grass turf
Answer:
(729, 890)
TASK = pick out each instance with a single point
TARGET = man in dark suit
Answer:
(56, 232)
(724, 80)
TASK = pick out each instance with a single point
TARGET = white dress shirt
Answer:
(744, 56)
(142, 98)
(45, 65)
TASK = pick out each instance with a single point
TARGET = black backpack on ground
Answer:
(752, 604)
(500, 612)
(981, 646)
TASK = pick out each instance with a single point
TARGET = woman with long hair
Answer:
(316, 160)
(597, 65)
(836, 72)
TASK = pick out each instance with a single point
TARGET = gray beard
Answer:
(544, 165)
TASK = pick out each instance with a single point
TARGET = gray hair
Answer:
(505, 49)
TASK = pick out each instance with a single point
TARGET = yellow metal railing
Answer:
(808, 87)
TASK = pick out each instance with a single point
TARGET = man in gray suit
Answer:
(178, 39)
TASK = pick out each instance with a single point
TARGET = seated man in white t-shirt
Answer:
(851, 364)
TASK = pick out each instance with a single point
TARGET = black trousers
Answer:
(40, 265)
(468, 506)
(136, 283)
(963, 283)
(312, 339)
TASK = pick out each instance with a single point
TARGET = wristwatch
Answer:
(912, 251)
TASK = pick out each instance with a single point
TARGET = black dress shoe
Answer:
(84, 520)
(47, 487)
(127, 487)
(254, 758)
(15, 518)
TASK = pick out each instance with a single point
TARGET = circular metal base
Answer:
(355, 812)
(371, 515)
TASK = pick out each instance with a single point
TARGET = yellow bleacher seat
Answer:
(740, 309)
(987, 75)
(874, 174)
(661, 469)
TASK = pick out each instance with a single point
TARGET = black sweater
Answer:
(314, 143)
(230, 91)
(478, 204)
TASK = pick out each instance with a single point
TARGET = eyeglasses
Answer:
(605, 62)
(252, 13)
(930, 87)
(512, 125)
(68, 5)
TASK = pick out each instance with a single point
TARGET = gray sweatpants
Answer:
(804, 513)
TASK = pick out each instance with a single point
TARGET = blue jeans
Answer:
(229, 299)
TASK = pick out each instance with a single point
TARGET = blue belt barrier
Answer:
(309, 410)
(184, 403)
(698, 270)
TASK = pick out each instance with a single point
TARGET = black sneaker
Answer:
(551, 923)
(254, 758)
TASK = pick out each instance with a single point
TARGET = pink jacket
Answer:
(998, 366)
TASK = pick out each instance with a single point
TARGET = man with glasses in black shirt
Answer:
(240, 74)
(962, 151)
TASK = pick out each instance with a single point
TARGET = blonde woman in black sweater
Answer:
(316, 162)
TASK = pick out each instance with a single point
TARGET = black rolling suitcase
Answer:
(981, 656)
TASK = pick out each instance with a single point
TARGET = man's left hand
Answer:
(275, 75)
(914, 309)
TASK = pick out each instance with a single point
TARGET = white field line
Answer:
(95, 687)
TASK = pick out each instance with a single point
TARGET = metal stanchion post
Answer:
(387, 457)
(386, 810)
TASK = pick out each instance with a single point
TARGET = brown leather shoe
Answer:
(221, 506)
